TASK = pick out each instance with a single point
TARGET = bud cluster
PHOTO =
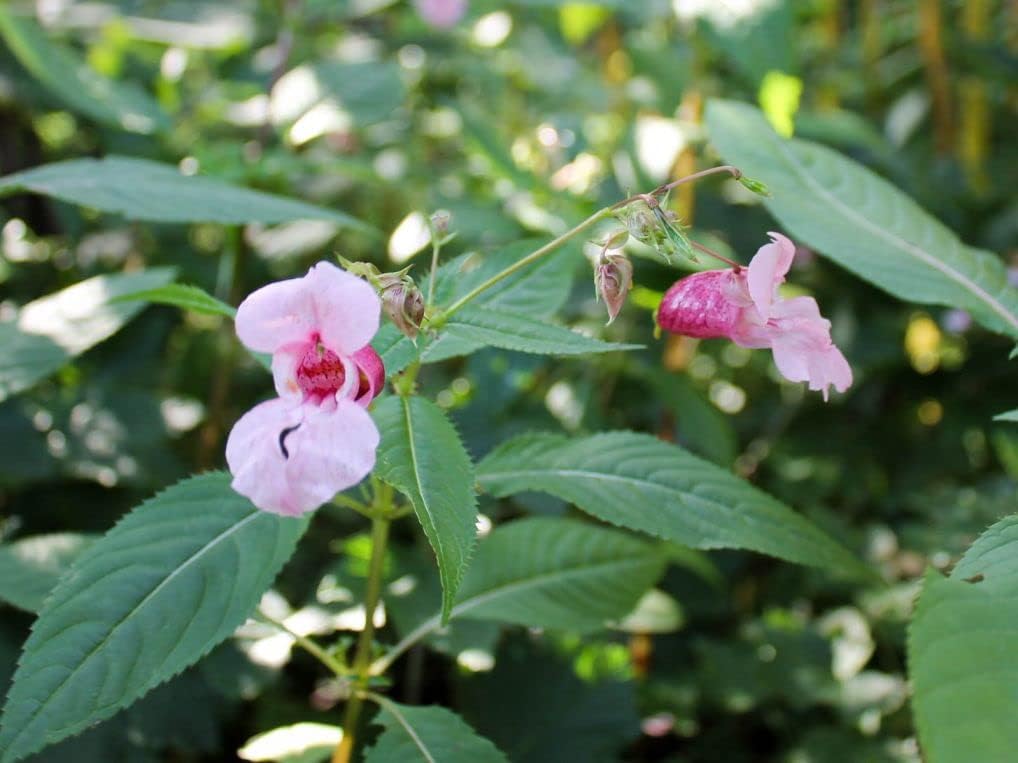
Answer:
(649, 224)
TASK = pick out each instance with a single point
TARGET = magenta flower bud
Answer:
(743, 305)
(613, 278)
(402, 302)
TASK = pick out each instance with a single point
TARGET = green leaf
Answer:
(171, 580)
(1007, 416)
(698, 423)
(862, 222)
(26, 358)
(367, 91)
(644, 484)
(546, 572)
(538, 290)
(421, 455)
(556, 573)
(476, 327)
(140, 189)
(396, 349)
(430, 734)
(30, 568)
(55, 328)
(961, 653)
(63, 73)
(185, 297)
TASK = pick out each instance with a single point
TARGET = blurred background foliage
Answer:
(521, 120)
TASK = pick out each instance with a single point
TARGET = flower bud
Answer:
(613, 278)
(754, 185)
(440, 223)
(402, 302)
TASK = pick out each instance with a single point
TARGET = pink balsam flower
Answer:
(441, 14)
(743, 305)
(291, 454)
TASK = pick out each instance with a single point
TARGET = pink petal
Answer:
(700, 305)
(275, 315)
(802, 346)
(333, 450)
(346, 308)
(767, 270)
(255, 460)
(291, 459)
(284, 369)
(372, 372)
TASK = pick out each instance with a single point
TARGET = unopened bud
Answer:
(613, 278)
(366, 270)
(402, 302)
(755, 186)
(440, 223)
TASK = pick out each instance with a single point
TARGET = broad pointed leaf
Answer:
(961, 653)
(184, 296)
(428, 734)
(421, 455)
(637, 481)
(482, 327)
(140, 189)
(556, 573)
(171, 580)
(862, 222)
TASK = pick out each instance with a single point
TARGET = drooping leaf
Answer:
(184, 296)
(140, 189)
(961, 653)
(639, 482)
(421, 455)
(429, 734)
(556, 573)
(171, 580)
(862, 222)
(69, 78)
(55, 328)
(30, 567)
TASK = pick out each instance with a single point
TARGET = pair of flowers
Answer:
(291, 454)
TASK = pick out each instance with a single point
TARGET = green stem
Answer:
(362, 657)
(589, 222)
(532, 257)
(310, 646)
(379, 666)
(436, 247)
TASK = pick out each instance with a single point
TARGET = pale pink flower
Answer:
(743, 305)
(441, 14)
(291, 454)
